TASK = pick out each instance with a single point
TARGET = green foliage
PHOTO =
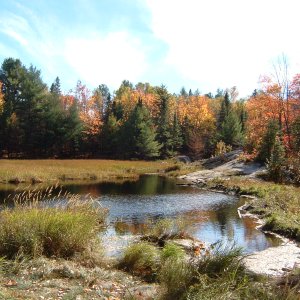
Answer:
(296, 134)
(164, 131)
(139, 134)
(23, 94)
(276, 164)
(110, 135)
(55, 87)
(231, 130)
(268, 141)
(224, 111)
(176, 135)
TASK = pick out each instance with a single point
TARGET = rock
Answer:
(248, 197)
(183, 158)
(274, 261)
(217, 161)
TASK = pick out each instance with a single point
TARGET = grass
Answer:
(141, 259)
(33, 228)
(278, 204)
(218, 275)
(166, 229)
(34, 171)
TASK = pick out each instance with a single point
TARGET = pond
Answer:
(132, 205)
(212, 216)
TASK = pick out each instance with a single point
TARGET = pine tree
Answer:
(231, 130)
(268, 141)
(275, 165)
(139, 134)
(110, 136)
(164, 135)
(183, 92)
(224, 111)
(55, 87)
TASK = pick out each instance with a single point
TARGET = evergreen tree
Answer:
(231, 130)
(219, 93)
(268, 141)
(110, 136)
(73, 132)
(183, 92)
(55, 87)
(24, 93)
(197, 92)
(139, 134)
(164, 135)
(177, 139)
(275, 165)
(224, 111)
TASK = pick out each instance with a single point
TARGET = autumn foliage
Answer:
(143, 121)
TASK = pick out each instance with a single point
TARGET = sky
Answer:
(198, 44)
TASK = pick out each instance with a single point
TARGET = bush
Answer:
(222, 148)
(35, 229)
(142, 259)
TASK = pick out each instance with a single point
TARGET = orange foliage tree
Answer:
(90, 109)
(196, 111)
(272, 102)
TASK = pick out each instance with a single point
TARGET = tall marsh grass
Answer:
(34, 227)
(52, 170)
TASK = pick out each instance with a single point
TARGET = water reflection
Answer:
(213, 216)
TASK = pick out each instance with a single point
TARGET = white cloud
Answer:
(224, 43)
(16, 27)
(106, 59)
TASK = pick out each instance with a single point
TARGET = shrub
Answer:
(142, 259)
(222, 148)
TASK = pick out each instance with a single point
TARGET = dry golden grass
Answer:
(63, 170)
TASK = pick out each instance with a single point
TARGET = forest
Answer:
(142, 121)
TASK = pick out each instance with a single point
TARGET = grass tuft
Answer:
(142, 259)
(172, 251)
(36, 228)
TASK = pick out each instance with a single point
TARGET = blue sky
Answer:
(192, 43)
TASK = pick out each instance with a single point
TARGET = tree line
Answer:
(142, 121)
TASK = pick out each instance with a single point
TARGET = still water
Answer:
(212, 216)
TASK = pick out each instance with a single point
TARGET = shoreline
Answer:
(276, 261)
